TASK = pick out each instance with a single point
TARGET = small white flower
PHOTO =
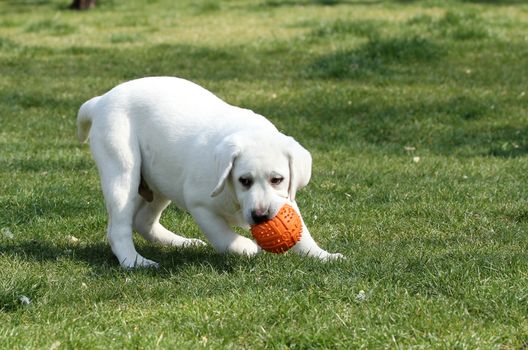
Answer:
(72, 239)
(7, 233)
(24, 300)
(361, 296)
(55, 345)
(416, 159)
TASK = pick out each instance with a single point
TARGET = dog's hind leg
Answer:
(146, 223)
(118, 162)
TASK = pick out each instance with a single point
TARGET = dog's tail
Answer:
(84, 119)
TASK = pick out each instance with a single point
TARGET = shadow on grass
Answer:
(507, 142)
(102, 264)
(377, 56)
(99, 256)
(359, 28)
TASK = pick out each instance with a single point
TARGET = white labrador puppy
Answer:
(163, 139)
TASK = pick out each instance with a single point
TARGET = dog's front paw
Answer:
(193, 242)
(244, 246)
(331, 256)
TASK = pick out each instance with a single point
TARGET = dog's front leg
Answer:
(218, 232)
(307, 245)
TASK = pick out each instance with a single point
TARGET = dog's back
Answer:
(161, 104)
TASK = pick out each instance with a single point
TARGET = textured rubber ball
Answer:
(280, 233)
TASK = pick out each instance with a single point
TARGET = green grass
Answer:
(438, 244)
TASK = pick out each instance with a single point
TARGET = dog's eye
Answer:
(277, 180)
(245, 181)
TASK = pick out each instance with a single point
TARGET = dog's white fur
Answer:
(194, 149)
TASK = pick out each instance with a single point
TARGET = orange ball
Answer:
(280, 233)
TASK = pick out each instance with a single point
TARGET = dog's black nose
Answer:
(259, 217)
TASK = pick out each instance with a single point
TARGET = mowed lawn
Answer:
(416, 115)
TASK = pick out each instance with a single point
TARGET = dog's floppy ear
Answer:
(300, 162)
(225, 154)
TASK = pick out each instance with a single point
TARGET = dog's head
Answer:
(265, 169)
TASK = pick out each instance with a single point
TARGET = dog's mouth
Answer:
(257, 216)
